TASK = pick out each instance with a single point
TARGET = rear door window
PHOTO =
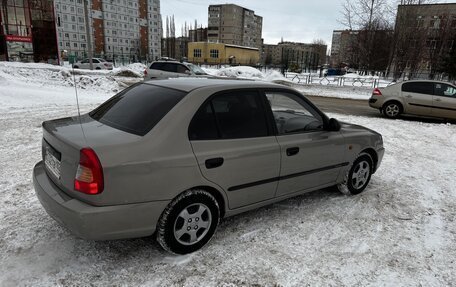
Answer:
(418, 87)
(170, 67)
(444, 90)
(137, 109)
(231, 115)
(156, 66)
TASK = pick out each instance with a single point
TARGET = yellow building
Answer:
(219, 53)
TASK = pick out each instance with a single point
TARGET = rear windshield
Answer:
(137, 109)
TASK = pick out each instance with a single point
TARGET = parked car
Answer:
(333, 72)
(165, 69)
(173, 157)
(423, 98)
(98, 64)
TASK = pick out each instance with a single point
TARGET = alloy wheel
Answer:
(192, 224)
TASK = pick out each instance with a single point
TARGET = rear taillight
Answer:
(106, 64)
(89, 176)
(145, 72)
(377, 92)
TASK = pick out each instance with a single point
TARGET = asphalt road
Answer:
(344, 106)
(361, 108)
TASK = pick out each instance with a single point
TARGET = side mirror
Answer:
(333, 125)
(188, 72)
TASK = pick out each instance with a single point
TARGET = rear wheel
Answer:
(358, 176)
(189, 222)
(392, 109)
(76, 67)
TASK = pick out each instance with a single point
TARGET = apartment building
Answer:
(301, 55)
(425, 36)
(343, 47)
(119, 29)
(235, 25)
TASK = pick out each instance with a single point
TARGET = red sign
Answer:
(14, 38)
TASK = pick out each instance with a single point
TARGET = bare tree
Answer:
(367, 20)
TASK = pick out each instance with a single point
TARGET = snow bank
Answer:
(345, 92)
(56, 84)
(241, 72)
(135, 70)
(246, 72)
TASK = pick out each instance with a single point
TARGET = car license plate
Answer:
(52, 163)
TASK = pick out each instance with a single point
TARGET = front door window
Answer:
(292, 114)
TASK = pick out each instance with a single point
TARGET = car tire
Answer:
(76, 67)
(97, 68)
(359, 175)
(392, 109)
(188, 222)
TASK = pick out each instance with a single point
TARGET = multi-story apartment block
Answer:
(301, 55)
(343, 47)
(425, 36)
(232, 24)
(197, 35)
(118, 28)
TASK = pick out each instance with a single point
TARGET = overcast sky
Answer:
(294, 20)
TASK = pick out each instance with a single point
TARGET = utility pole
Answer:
(89, 39)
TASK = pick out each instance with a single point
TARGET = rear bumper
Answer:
(375, 103)
(96, 222)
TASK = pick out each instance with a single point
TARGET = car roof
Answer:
(426, 81)
(168, 62)
(190, 84)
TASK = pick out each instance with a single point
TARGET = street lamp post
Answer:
(89, 39)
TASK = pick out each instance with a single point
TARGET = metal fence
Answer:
(354, 81)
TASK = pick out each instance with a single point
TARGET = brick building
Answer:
(27, 31)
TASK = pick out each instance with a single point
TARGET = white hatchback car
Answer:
(98, 64)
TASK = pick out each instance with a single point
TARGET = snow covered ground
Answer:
(400, 232)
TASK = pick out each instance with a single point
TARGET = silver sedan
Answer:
(173, 157)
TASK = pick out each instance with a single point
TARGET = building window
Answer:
(435, 23)
(214, 53)
(197, 53)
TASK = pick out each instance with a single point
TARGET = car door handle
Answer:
(408, 96)
(214, 162)
(292, 151)
(438, 100)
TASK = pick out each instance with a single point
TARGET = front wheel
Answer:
(189, 222)
(358, 176)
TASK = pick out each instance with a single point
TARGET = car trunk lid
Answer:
(63, 140)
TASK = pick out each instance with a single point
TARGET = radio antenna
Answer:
(77, 103)
(77, 98)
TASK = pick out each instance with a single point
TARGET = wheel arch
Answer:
(217, 195)
(394, 100)
(373, 154)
